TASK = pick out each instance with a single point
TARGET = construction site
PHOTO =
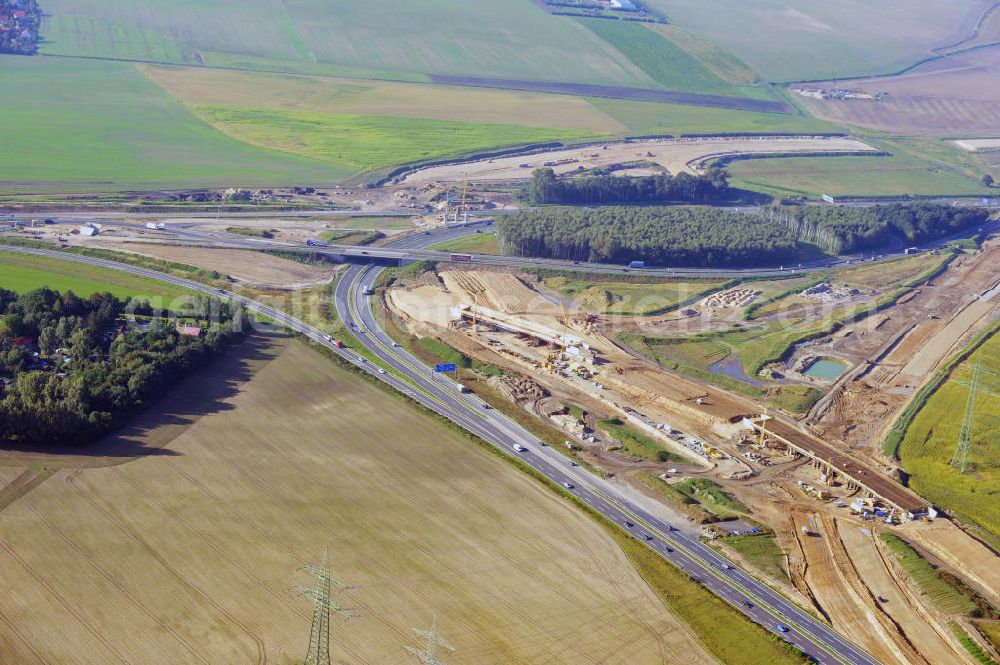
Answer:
(816, 481)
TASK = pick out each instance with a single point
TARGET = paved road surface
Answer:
(718, 574)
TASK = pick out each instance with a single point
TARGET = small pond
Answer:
(826, 368)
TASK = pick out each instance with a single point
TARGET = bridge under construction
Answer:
(853, 473)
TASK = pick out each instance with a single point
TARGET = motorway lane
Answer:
(414, 248)
(717, 573)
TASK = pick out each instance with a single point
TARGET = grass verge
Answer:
(943, 594)
(970, 645)
(637, 444)
(760, 551)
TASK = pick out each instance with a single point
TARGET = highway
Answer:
(414, 248)
(721, 576)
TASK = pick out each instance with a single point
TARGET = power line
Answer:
(319, 636)
(960, 459)
(428, 655)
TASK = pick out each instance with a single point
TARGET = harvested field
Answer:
(953, 95)
(252, 268)
(675, 155)
(619, 92)
(249, 473)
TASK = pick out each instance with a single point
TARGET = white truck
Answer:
(519, 448)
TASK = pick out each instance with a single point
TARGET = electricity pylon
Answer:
(960, 460)
(319, 636)
(428, 655)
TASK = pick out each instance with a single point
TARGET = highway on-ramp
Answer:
(721, 576)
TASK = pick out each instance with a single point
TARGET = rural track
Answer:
(719, 575)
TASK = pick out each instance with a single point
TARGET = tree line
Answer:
(702, 236)
(91, 371)
(842, 230)
(658, 235)
(545, 188)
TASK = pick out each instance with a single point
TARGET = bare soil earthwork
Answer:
(675, 155)
(178, 540)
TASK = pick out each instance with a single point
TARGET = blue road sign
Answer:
(446, 367)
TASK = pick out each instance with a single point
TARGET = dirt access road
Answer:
(674, 155)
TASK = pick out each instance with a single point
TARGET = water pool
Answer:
(825, 368)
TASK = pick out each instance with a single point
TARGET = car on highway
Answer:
(782, 628)
(628, 524)
(568, 485)
(668, 549)
(747, 603)
(647, 536)
(381, 371)
(572, 463)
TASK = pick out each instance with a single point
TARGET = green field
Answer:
(389, 36)
(721, 63)
(22, 273)
(789, 40)
(91, 125)
(364, 142)
(666, 63)
(893, 175)
(929, 444)
(479, 243)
